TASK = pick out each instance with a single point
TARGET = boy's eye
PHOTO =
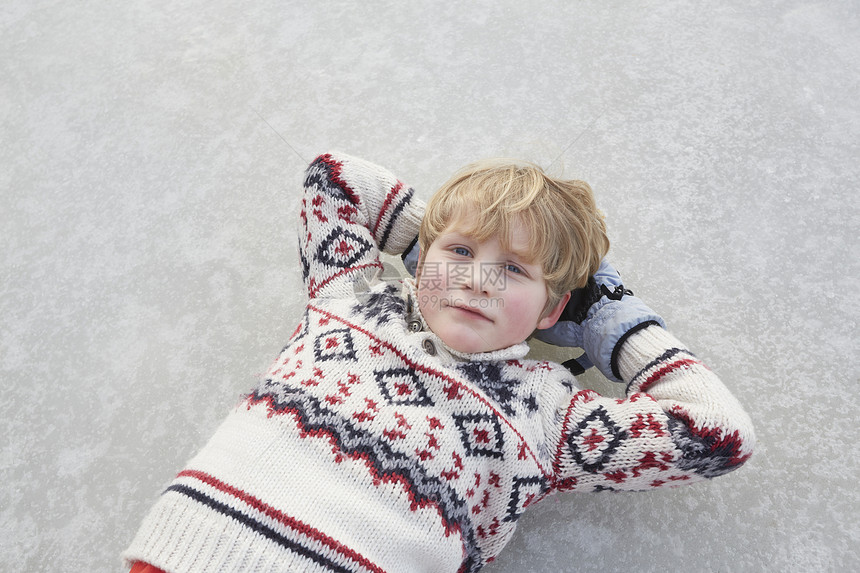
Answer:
(512, 268)
(463, 251)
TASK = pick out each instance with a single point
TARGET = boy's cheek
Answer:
(429, 302)
(525, 309)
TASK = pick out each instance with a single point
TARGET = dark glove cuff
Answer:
(613, 361)
(609, 326)
(410, 257)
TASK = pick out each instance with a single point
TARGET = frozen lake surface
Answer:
(150, 161)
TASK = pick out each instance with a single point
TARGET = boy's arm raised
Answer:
(678, 424)
(351, 210)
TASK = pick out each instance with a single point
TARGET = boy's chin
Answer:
(467, 343)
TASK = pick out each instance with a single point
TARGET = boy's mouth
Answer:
(472, 312)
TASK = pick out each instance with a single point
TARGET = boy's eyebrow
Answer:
(460, 234)
(526, 259)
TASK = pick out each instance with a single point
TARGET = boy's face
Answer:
(479, 296)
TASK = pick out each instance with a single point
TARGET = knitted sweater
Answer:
(371, 446)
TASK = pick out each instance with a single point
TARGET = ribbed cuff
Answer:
(613, 360)
(643, 348)
(405, 233)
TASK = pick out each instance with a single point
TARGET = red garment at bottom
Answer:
(141, 567)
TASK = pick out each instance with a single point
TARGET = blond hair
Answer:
(567, 232)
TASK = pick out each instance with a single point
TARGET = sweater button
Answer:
(429, 347)
(414, 326)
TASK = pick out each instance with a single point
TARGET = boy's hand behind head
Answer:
(599, 318)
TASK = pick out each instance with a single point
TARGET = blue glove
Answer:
(598, 318)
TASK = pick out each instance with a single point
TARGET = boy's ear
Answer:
(551, 318)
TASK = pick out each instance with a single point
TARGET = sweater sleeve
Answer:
(351, 210)
(679, 423)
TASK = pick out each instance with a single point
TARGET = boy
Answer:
(402, 428)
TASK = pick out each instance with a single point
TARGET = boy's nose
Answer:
(473, 280)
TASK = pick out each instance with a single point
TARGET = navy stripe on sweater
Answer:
(257, 526)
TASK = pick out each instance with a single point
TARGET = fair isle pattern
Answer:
(707, 451)
(343, 246)
(420, 427)
(460, 447)
(670, 447)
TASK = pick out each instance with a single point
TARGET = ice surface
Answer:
(150, 155)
